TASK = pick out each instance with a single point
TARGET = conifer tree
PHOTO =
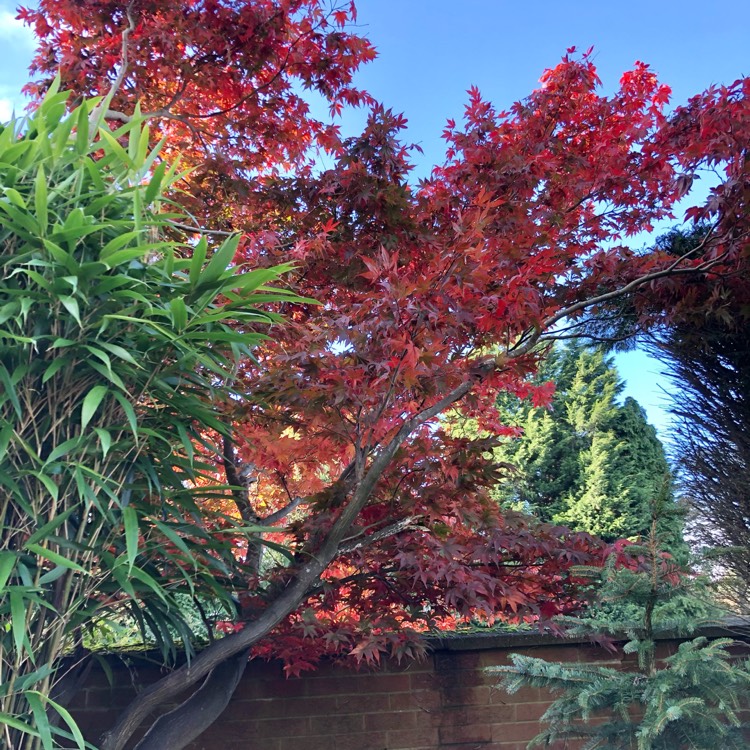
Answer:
(689, 700)
(589, 462)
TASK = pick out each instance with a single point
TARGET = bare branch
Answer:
(362, 541)
(671, 270)
(103, 106)
(113, 114)
(200, 230)
(280, 515)
(241, 478)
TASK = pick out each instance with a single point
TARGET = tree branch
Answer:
(280, 515)
(671, 270)
(191, 718)
(103, 106)
(288, 600)
(241, 479)
(361, 540)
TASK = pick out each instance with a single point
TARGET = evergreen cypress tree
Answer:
(589, 462)
(687, 701)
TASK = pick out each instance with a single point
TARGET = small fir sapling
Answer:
(689, 700)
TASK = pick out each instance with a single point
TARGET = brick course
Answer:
(447, 702)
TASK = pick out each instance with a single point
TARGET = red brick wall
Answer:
(447, 702)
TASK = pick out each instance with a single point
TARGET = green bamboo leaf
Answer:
(55, 366)
(18, 619)
(122, 578)
(68, 719)
(91, 403)
(7, 381)
(55, 558)
(199, 256)
(40, 200)
(64, 448)
(60, 343)
(118, 243)
(105, 440)
(161, 330)
(154, 186)
(127, 407)
(130, 520)
(107, 373)
(187, 443)
(281, 549)
(21, 222)
(103, 357)
(41, 720)
(18, 339)
(51, 95)
(95, 169)
(175, 538)
(50, 526)
(34, 276)
(48, 482)
(60, 255)
(16, 723)
(15, 197)
(104, 664)
(83, 141)
(26, 304)
(125, 256)
(137, 210)
(133, 138)
(61, 137)
(7, 563)
(6, 434)
(31, 677)
(148, 580)
(9, 310)
(252, 280)
(71, 305)
(52, 575)
(49, 577)
(74, 221)
(13, 153)
(142, 147)
(119, 351)
(220, 260)
(179, 313)
(114, 147)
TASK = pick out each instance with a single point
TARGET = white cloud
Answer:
(13, 30)
(6, 109)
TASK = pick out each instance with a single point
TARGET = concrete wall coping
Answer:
(728, 627)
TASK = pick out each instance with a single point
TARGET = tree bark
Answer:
(239, 642)
(192, 717)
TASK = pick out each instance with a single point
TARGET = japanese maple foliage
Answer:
(448, 558)
(710, 137)
(433, 296)
(222, 81)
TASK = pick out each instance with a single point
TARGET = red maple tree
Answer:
(432, 295)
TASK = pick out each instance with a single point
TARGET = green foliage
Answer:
(589, 462)
(689, 700)
(115, 352)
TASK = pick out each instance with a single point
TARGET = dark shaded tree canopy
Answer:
(710, 368)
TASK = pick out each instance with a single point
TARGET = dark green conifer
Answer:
(589, 462)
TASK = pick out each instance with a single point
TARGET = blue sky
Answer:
(431, 51)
